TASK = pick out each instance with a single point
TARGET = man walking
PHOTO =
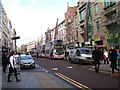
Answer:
(96, 56)
(4, 61)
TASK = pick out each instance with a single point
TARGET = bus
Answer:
(41, 51)
(55, 50)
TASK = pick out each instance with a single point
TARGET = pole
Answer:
(86, 24)
(15, 46)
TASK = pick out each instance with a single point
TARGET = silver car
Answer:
(27, 61)
(80, 55)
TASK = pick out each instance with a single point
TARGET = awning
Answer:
(97, 39)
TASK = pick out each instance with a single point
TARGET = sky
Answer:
(31, 18)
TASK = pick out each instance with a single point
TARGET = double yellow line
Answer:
(77, 84)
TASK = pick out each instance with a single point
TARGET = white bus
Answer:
(55, 50)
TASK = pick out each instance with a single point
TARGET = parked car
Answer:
(27, 61)
(81, 55)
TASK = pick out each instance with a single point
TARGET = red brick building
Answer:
(69, 24)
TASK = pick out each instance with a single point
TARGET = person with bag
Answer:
(12, 67)
(113, 59)
(17, 62)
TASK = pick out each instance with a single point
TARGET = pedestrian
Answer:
(118, 57)
(102, 54)
(37, 55)
(66, 54)
(51, 54)
(4, 62)
(113, 59)
(17, 62)
(105, 57)
(96, 54)
(12, 67)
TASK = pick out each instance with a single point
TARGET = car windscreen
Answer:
(25, 57)
(85, 51)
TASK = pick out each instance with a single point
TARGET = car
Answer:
(81, 55)
(27, 61)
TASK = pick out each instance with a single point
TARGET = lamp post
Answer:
(15, 38)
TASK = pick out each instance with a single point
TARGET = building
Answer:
(98, 32)
(62, 31)
(53, 34)
(48, 35)
(31, 46)
(23, 48)
(5, 30)
(85, 27)
(111, 23)
(76, 26)
(10, 28)
(69, 24)
(0, 28)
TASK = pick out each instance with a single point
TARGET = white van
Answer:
(81, 55)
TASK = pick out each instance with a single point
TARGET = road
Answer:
(77, 74)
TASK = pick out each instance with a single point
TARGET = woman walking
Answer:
(105, 57)
(113, 59)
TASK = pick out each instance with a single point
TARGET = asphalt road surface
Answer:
(77, 74)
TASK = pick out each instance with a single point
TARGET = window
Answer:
(76, 21)
(82, 14)
(109, 2)
(98, 26)
(96, 8)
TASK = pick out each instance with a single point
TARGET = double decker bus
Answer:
(55, 49)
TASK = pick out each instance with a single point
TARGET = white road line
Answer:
(69, 67)
(54, 69)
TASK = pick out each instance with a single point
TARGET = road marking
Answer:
(83, 66)
(40, 69)
(54, 69)
(93, 67)
(69, 67)
(77, 84)
(100, 71)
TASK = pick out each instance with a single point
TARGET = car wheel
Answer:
(34, 66)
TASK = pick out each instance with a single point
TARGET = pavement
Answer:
(106, 68)
(35, 79)
(40, 79)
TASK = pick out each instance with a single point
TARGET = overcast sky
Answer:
(31, 18)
